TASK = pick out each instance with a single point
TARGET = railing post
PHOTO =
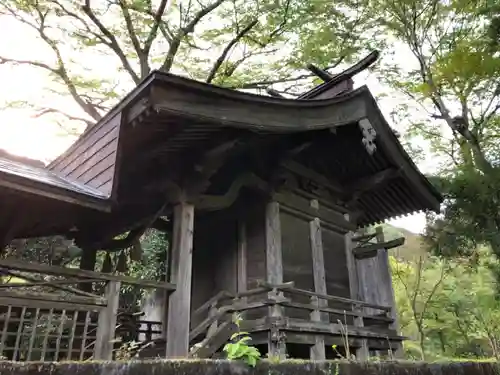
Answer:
(317, 352)
(277, 344)
(211, 313)
(149, 331)
(362, 353)
(106, 324)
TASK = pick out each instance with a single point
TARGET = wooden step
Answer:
(208, 347)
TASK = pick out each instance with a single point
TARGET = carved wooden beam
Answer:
(162, 225)
(133, 237)
(298, 149)
(209, 164)
(218, 202)
(374, 181)
(318, 178)
(199, 180)
(280, 176)
(370, 250)
(106, 241)
(349, 194)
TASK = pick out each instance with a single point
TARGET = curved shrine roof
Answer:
(168, 124)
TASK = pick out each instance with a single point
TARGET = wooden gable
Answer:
(91, 161)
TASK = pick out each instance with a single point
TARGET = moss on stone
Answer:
(207, 367)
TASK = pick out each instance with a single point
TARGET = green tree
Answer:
(491, 10)
(450, 78)
(233, 43)
(448, 308)
(416, 287)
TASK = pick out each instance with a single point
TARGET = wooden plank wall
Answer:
(375, 279)
(297, 214)
(224, 252)
(256, 246)
(203, 281)
(297, 259)
(373, 286)
(337, 276)
(91, 161)
(214, 258)
(256, 251)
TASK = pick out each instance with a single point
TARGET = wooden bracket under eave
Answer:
(369, 251)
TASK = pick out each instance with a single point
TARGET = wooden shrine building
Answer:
(263, 196)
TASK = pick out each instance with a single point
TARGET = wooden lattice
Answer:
(34, 330)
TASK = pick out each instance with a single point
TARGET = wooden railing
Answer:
(219, 309)
(42, 327)
(67, 322)
(131, 326)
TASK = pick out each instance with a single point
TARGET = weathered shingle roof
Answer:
(26, 175)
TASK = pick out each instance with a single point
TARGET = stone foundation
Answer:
(197, 367)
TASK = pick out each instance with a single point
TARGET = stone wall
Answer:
(236, 368)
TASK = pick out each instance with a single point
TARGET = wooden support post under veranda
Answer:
(179, 302)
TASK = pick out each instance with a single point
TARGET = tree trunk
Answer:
(442, 341)
(421, 339)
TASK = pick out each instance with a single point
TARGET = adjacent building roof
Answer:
(40, 180)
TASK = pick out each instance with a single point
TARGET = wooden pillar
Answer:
(87, 262)
(386, 283)
(242, 276)
(106, 325)
(242, 257)
(351, 265)
(274, 257)
(274, 274)
(179, 302)
(318, 349)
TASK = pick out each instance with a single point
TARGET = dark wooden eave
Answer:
(186, 117)
(226, 108)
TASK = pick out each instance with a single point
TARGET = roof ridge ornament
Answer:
(344, 78)
(369, 135)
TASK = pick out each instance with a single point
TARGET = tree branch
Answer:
(189, 28)
(485, 116)
(5, 60)
(46, 111)
(112, 41)
(156, 25)
(143, 52)
(227, 49)
(61, 70)
(130, 28)
(263, 84)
